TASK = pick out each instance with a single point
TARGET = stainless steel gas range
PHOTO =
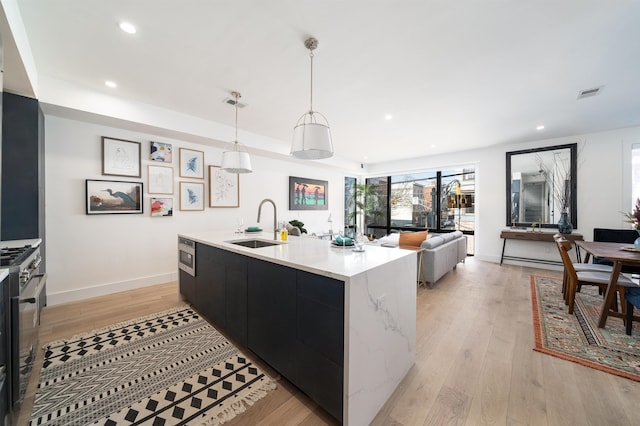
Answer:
(26, 294)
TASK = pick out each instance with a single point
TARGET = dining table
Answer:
(620, 254)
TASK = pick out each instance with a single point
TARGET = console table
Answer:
(546, 237)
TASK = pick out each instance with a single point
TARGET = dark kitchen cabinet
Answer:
(22, 168)
(4, 345)
(210, 284)
(235, 295)
(219, 290)
(187, 285)
(272, 315)
(291, 319)
(320, 340)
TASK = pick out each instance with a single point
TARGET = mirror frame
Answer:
(573, 168)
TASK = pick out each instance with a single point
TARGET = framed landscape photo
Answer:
(120, 157)
(191, 196)
(160, 180)
(191, 163)
(113, 197)
(160, 151)
(307, 194)
(224, 188)
(161, 207)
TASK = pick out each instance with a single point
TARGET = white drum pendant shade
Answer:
(311, 141)
(236, 162)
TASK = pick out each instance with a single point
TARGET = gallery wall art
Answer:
(191, 196)
(191, 163)
(113, 197)
(160, 180)
(224, 188)
(161, 207)
(120, 157)
(160, 151)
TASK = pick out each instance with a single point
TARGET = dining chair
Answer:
(575, 279)
(579, 267)
(632, 295)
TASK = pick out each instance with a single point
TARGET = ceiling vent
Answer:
(590, 92)
(232, 102)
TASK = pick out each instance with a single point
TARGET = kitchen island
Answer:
(338, 324)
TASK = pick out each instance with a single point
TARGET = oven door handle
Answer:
(43, 280)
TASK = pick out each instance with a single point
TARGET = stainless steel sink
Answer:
(255, 243)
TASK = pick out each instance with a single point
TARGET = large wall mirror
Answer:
(541, 185)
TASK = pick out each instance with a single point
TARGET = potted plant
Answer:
(366, 200)
(298, 225)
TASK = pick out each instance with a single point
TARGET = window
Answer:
(440, 201)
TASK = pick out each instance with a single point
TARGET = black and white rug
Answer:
(171, 368)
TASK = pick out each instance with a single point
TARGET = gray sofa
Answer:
(442, 253)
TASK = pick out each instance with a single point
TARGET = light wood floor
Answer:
(474, 359)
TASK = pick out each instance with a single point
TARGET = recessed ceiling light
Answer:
(127, 28)
(388, 117)
(111, 84)
(540, 127)
(432, 146)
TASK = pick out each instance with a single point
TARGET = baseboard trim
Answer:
(104, 289)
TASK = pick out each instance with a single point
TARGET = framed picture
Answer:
(191, 163)
(307, 194)
(161, 207)
(191, 196)
(109, 196)
(120, 157)
(161, 152)
(160, 180)
(224, 188)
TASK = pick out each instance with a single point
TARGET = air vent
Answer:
(590, 92)
(232, 102)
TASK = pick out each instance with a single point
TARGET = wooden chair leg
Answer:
(628, 318)
(571, 296)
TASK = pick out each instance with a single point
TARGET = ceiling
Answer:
(453, 75)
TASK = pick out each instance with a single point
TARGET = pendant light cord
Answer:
(235, 144)
(311, 91)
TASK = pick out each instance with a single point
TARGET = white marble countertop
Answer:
(305, 253)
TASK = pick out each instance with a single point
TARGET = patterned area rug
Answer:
(577, 337)
(172, 368)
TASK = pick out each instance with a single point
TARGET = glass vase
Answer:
(564, 224)
(636, 243)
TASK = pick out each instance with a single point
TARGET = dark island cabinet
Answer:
(187, 285)
(272, 315)
(320, 339)
(293, 320)
(221, 290)
(296, 325)
(210, 284)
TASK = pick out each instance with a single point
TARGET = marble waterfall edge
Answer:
(381, 339)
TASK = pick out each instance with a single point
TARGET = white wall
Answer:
(604, 187)
(99, 254)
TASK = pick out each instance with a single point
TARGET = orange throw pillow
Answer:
(412, 239)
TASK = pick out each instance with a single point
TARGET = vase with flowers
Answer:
(558, 179)
(634, 219)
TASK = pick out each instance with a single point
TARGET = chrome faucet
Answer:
(275, 214)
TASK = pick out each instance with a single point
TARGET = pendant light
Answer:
(312, 137)
(236, 161)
